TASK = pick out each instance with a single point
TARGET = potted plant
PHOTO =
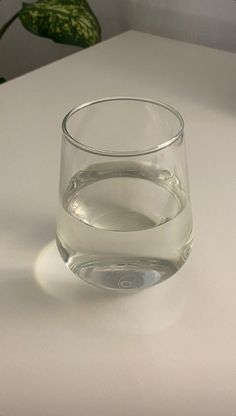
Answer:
(71, 22)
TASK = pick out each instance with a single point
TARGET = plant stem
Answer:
(7, 24)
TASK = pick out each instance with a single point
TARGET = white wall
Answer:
(208, 22)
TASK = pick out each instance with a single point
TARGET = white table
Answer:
(67, 349)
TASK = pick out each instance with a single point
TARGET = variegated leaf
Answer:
(64, 21)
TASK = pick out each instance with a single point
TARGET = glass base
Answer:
(123, 274)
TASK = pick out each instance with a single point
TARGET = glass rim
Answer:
(113, 153)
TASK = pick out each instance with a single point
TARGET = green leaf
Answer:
(2, 80)
(64, 21)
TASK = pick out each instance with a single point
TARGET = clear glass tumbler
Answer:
(125, 220)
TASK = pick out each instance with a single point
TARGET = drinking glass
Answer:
(125, 220)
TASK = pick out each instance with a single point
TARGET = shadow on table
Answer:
(93, 310)
(52, 296)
